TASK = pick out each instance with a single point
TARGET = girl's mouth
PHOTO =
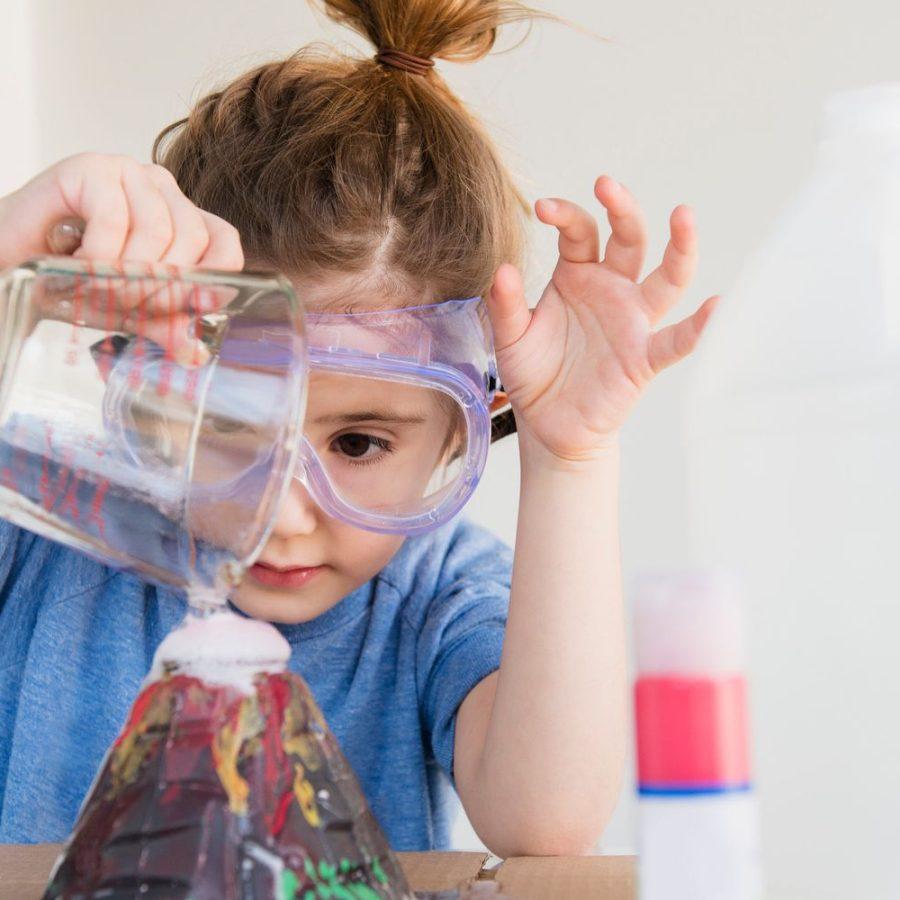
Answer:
(269, 576)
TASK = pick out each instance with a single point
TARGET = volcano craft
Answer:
(226, 784)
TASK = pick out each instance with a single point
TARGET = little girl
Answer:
(440, 660)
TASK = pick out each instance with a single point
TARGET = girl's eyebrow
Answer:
(368, 416)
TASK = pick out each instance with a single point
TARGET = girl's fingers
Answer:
(674, 342)
(579, 239)
(662, 288)
(193, 299)
(507, 307)
(64, 236)
(627, 244)
(190, 238)
(130, 212)
(94, 192)
(224, 250)
(178, 338)
(152, 228)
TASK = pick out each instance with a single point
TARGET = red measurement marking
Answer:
(136, 373)
(199, 296)
(190, 386)
(44, 486)
(48, 491)
(92, 444)
(95, 300)
(165, 377)
(77, 310)
(109, 324)
(66, 486)
(106, 319)
(192, 306)
(70, 499)
(69, 479)
(95, 516)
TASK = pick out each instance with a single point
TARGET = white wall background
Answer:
(710, 102)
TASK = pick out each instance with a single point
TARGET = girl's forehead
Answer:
(336, 292)
(333, 396)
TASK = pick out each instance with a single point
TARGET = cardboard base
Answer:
(24, 870)
(440, 871)
(569, 878)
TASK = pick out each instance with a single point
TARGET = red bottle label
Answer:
(692, 733)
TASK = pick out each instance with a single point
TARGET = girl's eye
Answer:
(360, 447)
(228, 426)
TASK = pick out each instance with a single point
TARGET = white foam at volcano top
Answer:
(222, 648)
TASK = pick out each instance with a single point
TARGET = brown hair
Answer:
(328, 163)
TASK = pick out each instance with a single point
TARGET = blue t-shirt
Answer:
(389, 666)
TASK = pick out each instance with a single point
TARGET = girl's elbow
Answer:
(557, 844)
(549, 836)
(552, 822)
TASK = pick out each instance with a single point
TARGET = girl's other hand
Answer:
(575, 365)
(132, 211)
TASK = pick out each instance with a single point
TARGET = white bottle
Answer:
(793, 456)
(697, 809)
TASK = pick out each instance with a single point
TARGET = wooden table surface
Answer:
(24, 870)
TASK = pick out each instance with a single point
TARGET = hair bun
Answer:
(460, 30)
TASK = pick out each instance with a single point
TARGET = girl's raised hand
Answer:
(575, 365)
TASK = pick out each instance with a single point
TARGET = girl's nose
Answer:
(298, 514)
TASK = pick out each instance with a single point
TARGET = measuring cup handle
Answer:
(64, 237)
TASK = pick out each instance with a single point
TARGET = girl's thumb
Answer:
(507, 306)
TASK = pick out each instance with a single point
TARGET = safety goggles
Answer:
(398, 415)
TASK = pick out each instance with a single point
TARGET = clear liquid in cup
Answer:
(150, 417)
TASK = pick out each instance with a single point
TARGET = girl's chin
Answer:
(284, 610)
(282, 605)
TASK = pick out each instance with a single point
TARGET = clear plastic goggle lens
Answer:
(390, 448)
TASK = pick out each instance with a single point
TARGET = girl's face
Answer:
(310, 562)
(376, 440)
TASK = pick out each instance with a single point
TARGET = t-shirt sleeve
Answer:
(461, 641)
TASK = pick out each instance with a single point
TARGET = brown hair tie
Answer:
(404, 62)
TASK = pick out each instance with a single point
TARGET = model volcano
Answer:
(226, 784)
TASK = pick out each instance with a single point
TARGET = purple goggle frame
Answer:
(445, 347)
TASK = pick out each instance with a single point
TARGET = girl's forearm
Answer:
(551, 765)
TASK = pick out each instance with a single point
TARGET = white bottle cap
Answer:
(689, 622)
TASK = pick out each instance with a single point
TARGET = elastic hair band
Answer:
(403, 61)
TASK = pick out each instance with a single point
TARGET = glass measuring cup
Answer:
(149, 415)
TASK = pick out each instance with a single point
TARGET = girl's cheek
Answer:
(365, 553)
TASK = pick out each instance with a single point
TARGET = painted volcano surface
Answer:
(213, 792)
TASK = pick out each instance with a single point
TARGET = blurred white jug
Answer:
(794, 443)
